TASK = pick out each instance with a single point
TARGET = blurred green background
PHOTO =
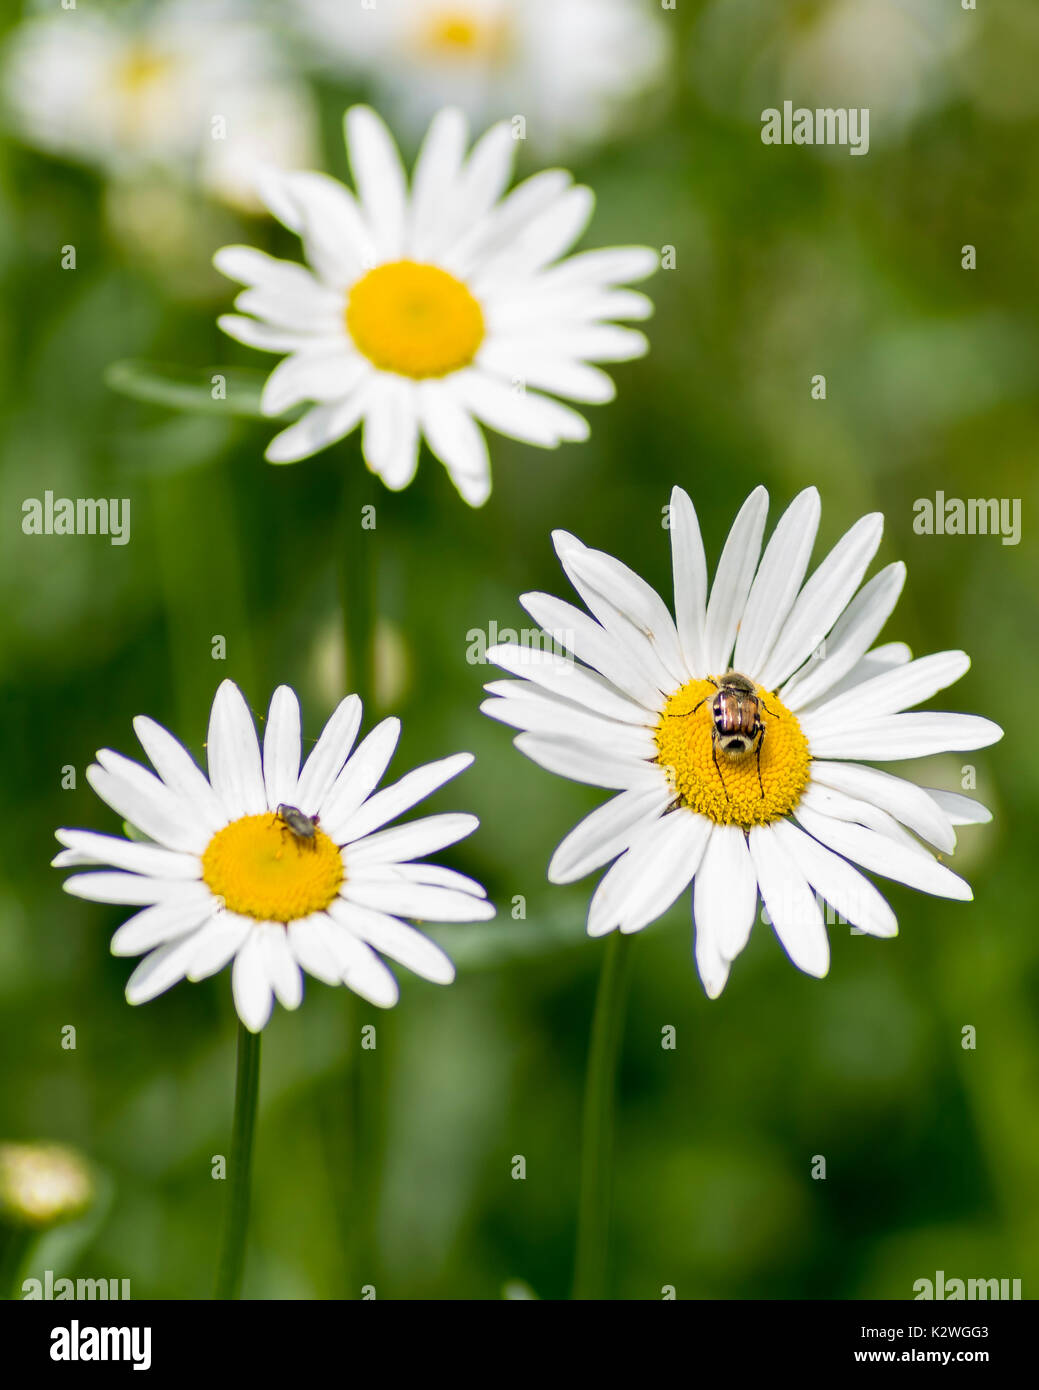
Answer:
(393, 1168)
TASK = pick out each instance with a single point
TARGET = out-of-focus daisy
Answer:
(898, 58)
(43, 1184)
(571, 68)
(426, 310)
(276, 868)
(664, 710)
(187, 86)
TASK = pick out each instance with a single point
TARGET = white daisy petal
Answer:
(123, 888)
(732, 581)
(319, 427)
(130, 855)
(907, 802)
(725, 896)
(400, 942)
(566, 680)
(280, 964)
(557, 719)
(159, 971)
(325, 376)
(586, 762)
(849, 639)
(843, 887)
(606, 832)
(233, 754)
(359, 967)
(882, 855)
(393, 801)
(711, 965)
(689, 571)
(163, 922)
(822, 600)
(590, 642)
(648, 877)
(146, 803)
(520, 414)
(391, 432)
(251, 985)
(435, 181)
(792, 907)
(638, 601)
(217, 944)
(358, 779)
(419, 900)
(889, 693)
(777, 581)
(328, 755)
(282, 748)
(379, 178)
(457, 441)
(309, 941)
(897, 736)
(178, 769)
(961, 810)
(401, 842)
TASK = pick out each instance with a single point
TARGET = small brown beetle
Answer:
(737, 726)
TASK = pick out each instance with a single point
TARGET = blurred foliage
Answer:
(789, 262)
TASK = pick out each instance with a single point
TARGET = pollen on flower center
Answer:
(726, 787)
(261, 869)
(414, 319)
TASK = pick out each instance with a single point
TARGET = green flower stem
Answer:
(15, 1244)
(357, 581)
(247, 1089)
(593, 1203)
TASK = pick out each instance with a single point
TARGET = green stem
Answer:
(357, 581)
(593, 1209)
(15, 1243)
(247, 1088)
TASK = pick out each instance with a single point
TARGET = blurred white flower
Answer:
(893, 56)
(187, 86)
(570, 67)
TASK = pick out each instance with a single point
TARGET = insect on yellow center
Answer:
(414, 319)
(261, 869)
(719, 785)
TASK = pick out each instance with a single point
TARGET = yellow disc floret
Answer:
(260, 869)
(724, 787)
(414, 319)
(455, 32)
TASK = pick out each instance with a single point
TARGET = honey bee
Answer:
(302, 828)
(737, 727)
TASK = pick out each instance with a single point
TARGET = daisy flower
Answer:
(425, 310)
(735, 734)
(188, 86)
(276, 868)
(572, 68)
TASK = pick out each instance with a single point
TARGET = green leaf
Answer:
(212, 390)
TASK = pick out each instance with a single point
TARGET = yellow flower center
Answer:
(413, 319)
(459, 33)
(141, 68)
(261, 869)
(760, 782)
